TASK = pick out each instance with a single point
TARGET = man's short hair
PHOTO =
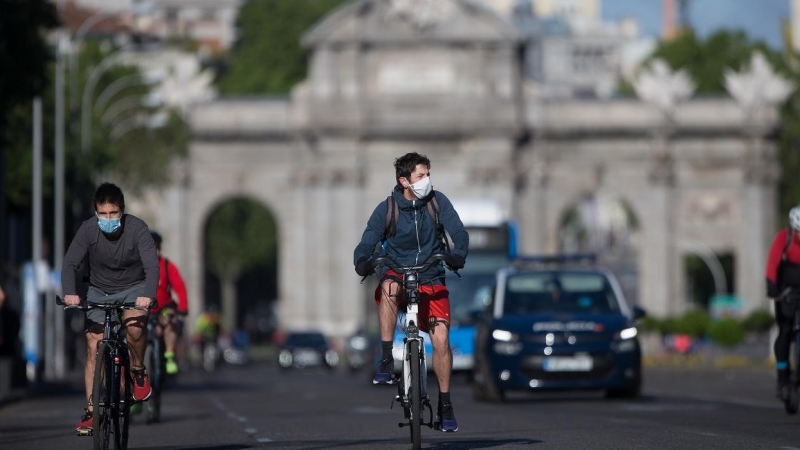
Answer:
(109, 193)
(404, 165)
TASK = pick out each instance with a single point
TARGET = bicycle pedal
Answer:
(84, 432)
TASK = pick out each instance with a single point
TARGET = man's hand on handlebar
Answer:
(456, 262)
(72, 300)
(143, 302)
(362, 268)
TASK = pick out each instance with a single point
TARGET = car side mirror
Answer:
(638, 313)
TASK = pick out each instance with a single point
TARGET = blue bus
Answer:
(492, 244)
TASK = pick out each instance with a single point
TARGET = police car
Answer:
(557, 323)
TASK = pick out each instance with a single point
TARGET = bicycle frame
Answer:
(112, 406)
(411, 288)
(792, 402)
(415, 374)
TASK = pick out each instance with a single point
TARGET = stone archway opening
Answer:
(710, 281)
(607, 227)
(240, 248)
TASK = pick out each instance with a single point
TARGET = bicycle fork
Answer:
(403, 388)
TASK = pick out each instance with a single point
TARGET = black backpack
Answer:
(393, 212)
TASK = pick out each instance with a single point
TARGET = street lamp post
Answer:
(86, 107)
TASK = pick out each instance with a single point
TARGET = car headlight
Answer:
(331, 358)
(628, 333)
(285, 358)
(504, 336)
(624, 340)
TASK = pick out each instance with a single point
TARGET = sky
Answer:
(760, 19)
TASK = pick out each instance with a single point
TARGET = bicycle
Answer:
(112, 393)
(413, 386)
(155, 363)
(792, 402)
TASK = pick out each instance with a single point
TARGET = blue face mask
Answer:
(108, 226)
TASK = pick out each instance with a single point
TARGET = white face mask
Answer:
(422, 187)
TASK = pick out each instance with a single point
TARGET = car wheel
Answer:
(629, 392)
(485, 390)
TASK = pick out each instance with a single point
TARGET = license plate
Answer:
(568, 364)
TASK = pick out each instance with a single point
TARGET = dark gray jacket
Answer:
(115, 264)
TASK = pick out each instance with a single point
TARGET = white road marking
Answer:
(240, 419)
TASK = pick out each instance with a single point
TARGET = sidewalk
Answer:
(73, 381)
(756, 353)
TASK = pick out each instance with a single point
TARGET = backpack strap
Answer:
(392, 213)
(433, 210)
(789, 239)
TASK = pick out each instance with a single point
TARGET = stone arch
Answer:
(607, 225)
(248, 289)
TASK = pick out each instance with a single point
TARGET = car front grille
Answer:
(532, 367)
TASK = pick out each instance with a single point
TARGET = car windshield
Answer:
(542, 292)
(306, 340)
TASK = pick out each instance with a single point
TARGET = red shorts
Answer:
(434, 300)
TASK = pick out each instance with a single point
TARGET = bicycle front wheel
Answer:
(415, 395)
(122, 416)
(101, 398)
(792, 402)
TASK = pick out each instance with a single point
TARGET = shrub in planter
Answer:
(649, 324)
(758, 321)
(694, 323)
(727, 332)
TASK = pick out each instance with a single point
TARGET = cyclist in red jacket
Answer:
(783, 271)
(169, 282)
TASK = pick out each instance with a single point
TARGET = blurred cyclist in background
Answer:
(170, 325)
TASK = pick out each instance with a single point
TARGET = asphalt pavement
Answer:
(259, 406)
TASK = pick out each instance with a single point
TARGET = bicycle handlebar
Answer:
(89, 306)
(448, 258)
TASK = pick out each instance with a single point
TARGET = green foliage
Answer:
(268, 58)
(24, 52)
(694, 323)
(241, 234)
(649, 323)
(727, 332)
(141, 158)
(759, 321)
(706, 60)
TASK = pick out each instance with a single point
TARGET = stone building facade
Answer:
(444, 79)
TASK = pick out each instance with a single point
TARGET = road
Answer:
(258, 406)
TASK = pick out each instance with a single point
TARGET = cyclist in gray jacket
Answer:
(123, 265)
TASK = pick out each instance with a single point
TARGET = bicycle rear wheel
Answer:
(415, 395)
(792, 402)
(152, 360)
(101, 398)
(122, 416)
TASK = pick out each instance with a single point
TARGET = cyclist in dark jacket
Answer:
(122, 264)
(414, 241)
(783, 271)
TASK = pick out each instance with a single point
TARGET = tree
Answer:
(24, 55)
(268, 58)
(241, 234)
